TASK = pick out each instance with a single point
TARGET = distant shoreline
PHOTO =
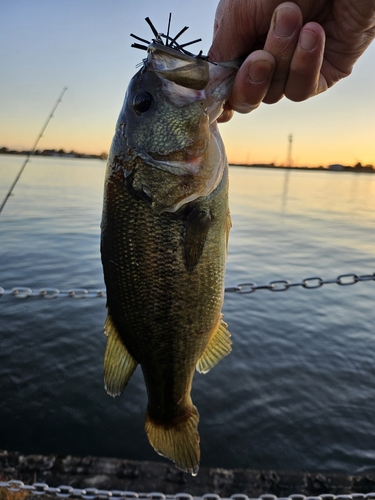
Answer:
(358, 168)
(59, 153)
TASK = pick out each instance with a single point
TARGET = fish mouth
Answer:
(174, 58)
(184, 70)
(186, 78)
(172, 55)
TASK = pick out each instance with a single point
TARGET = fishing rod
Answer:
(33, 148)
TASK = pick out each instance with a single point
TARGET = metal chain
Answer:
(23, 292)
(63, 491)
(311, 283)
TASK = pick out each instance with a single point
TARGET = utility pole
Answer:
(290, 139)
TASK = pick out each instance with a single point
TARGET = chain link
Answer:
(311, 283)
(21, 292)
(64, 491)
(308, 283)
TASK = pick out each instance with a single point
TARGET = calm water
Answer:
(298, 390)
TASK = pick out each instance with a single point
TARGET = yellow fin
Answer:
(119, 364)
(179, 442)
(217, 348)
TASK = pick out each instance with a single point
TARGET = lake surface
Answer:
(298, 390)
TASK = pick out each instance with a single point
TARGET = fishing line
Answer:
(33, 148)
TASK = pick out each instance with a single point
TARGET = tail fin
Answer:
(178, 442)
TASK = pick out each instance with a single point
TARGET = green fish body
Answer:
(164, 241)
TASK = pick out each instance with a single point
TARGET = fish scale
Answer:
(153, 268)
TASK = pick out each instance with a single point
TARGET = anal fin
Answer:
(119, 364)
(217, 348)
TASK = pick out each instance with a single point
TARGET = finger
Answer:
(252, 81)
(305, 79)
(235, 30)
(226, 115)
(281, 42)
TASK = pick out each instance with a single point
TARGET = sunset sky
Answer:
(84, 45)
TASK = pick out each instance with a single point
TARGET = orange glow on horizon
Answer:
(247, 155)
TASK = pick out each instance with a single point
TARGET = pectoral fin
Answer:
(195, 233)
(119, 364)
(217, 348)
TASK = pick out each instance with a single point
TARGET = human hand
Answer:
(307, 46)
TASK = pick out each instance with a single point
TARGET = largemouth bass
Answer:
(164, 241)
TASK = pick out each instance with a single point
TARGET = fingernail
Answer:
(308, 40)
(259, 71)
(286, 21)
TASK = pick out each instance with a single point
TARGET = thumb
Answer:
(234, 35)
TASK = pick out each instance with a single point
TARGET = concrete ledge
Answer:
(141, 477)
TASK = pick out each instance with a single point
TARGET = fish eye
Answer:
(142, 102)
